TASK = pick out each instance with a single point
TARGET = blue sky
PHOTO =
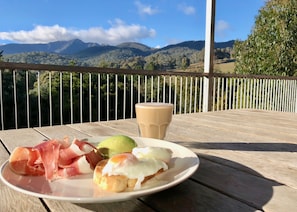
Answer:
(155, 23)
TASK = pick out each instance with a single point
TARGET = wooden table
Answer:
(248, 162)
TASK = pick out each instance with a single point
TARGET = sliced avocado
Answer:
(115, 145)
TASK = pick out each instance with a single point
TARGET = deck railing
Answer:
(44, 95)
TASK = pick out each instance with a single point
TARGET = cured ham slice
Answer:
(79, 166)
(76, 148)
(49, 154)
(26, 160)
(55, 159)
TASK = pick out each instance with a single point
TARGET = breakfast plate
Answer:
(81, 189)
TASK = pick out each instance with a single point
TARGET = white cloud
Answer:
(188, 10)
(40, 34)
(221, 27)
(118, 32)
(145, 9)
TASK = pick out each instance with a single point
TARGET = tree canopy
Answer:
(271, 47)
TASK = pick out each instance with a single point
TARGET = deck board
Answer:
(248, 162)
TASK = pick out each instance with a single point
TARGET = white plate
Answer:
(80, 189)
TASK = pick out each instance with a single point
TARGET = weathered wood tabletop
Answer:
(248, 162)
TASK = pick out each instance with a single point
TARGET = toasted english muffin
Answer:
(119, 182)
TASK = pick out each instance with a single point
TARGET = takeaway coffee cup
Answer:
(153, 118)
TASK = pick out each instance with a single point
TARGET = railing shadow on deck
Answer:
(243, 146)
(45, 95)
(237, 185)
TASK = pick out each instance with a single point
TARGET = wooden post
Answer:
(208, 55)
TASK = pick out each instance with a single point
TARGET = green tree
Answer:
(185, 62)
(1, 55)
(271, 47)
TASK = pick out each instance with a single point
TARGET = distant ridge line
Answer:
(76, 47)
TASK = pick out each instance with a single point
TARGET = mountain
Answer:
(59, 47)
(199, 45)
(134, 45)
(94, 51)
(79, 48)
(196, 45)
(128, 49)
(91, 54)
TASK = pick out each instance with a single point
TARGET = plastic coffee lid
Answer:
(153, 104)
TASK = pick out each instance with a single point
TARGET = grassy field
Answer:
(219, 67)
(224, 67)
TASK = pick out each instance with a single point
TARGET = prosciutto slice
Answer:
(76, 148)
(26, 160)
(79, 166)
(55, 159)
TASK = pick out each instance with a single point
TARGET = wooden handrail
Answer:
(87, 69)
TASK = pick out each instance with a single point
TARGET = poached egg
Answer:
(142, 162)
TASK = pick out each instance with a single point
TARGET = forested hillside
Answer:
(126, 55)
